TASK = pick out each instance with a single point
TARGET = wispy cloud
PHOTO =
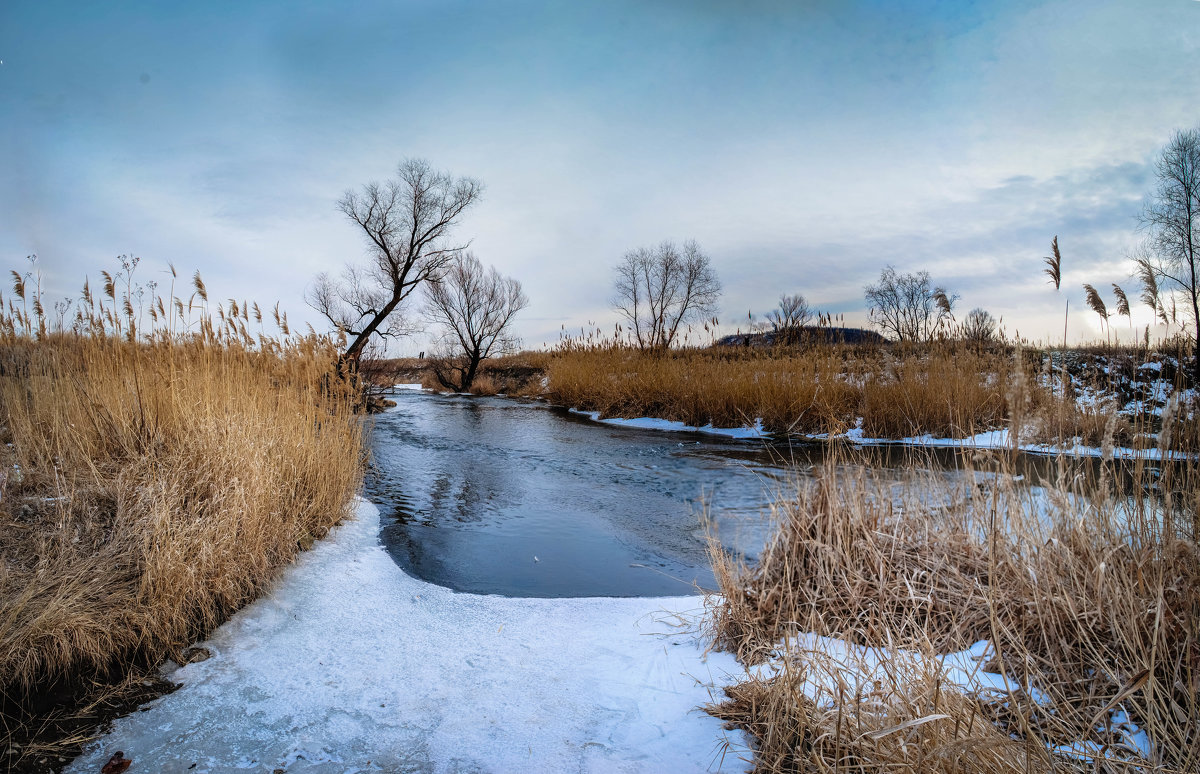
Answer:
(805, 145)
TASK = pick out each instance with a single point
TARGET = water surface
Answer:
(501, 496)
(492, 495)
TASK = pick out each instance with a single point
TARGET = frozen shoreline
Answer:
(350, 665)
(650, 423)
(992, 440)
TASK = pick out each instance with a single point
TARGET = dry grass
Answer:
(1087, 591)
(909, 722)
(789, 394)
(151, 485)
(945, 389)
(946, 394)
(518, 375)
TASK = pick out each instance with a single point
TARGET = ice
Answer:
(350, 665)
(997, 440)
(650, 423)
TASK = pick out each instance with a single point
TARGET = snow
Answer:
(650, 423)
(1001, 440)
(858, 668)
(407, 386)
(988, 440)
(1155, 394)
(350, 665)
(837, 668)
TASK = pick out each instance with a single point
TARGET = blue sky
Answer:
(803, 144)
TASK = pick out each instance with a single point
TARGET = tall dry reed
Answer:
(1086, 587)
(152, 483)
(945, 389)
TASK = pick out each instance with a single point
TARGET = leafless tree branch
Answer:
(406, 223)
(1171, 220)
(658, 289)
(907, 306)
(473, 308)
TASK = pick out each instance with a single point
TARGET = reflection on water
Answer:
(497, 496)
(490, 495)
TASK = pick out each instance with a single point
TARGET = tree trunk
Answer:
(354, 351)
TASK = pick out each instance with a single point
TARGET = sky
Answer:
(804, 145)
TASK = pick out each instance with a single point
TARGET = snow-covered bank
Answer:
(350, 665)
(996, 440)
(650, 423)
(1001, 440)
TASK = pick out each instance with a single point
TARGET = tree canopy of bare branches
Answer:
(1171, 218)
(658, 289)
(406, 223)
(907, 306)
(473, 307)
(979, 326)
(788, 320)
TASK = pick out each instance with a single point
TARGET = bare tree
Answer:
(660, 288)
(979, 326)
(1171, 219)
(473, 307)
(907, 306)
(406, 222)
(789, 319)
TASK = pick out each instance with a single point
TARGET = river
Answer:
(523, 499)
(493, 495)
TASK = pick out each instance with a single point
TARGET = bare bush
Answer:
(979, 326)
(789, 319)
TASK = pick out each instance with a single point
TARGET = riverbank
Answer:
(980, 626)
(1043, 400)
(148, 490)
(844, 627)
(349, 664)
(1082, 402)
(994, 624)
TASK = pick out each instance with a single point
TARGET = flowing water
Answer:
(501, 496)
(492, 495)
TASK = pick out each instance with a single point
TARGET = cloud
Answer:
(804, 145)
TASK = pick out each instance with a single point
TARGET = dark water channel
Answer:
(491, 495)
(498, 496)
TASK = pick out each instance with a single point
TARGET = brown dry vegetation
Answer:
(149, 487)
(1088, 591)
(517, 375)
(946, 389)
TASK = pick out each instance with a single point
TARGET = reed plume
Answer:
(942, 301)
(1054, 264)
(1095, 302)
(1149, 282)
(1122, 302)
(1054, 271)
